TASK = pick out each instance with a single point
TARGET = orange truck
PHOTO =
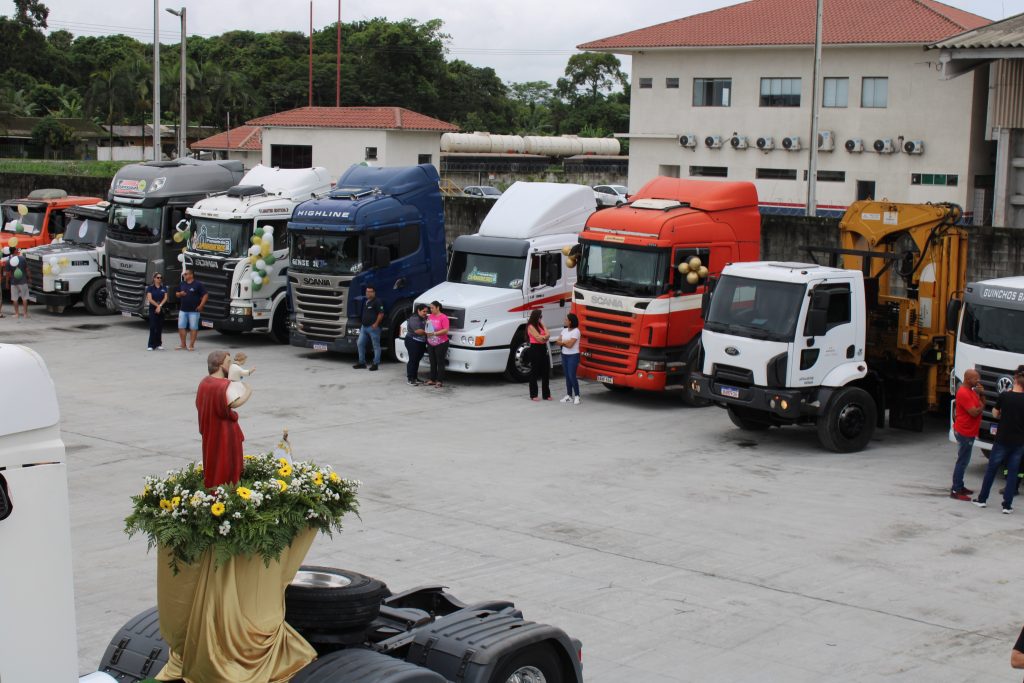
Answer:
(641, 273)
(38, 218)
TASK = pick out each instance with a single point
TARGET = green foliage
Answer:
(51, 134)
(92, 169)
(260, 516)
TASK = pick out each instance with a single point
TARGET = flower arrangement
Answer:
(260, 515)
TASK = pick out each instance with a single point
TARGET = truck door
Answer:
(827, 336)
(547, 289)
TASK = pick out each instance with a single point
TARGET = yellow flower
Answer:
(217, 509)
(318, 479)
(282, 461)
(165, 504)
(145, 491)
(283, 486)
(243, 493)
(285, 471)
(196, 501)
(176, 501)
(334, 477)
(199, 467)
(249, 457)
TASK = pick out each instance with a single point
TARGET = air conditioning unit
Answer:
(854, 145)
(765, 143)
(791, 143)
(913, 147)
(688, 141)
(738, 141)
(826, 141)
(884, 146)
(713, 141)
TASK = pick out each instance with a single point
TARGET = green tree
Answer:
(111, 88)
(594, 72)
(31, 13)
(52, 135)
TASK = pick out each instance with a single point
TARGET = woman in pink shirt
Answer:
(437, 343)
(540, 367)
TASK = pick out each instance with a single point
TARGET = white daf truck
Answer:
(990, 339)
(221, 231)
(73, 268)
(513, 265)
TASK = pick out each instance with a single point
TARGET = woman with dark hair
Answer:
(569, 340)
(437, 343)
(540, 366)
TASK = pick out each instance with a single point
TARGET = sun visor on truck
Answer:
(528, 210)
(36, 406)
(700, 194)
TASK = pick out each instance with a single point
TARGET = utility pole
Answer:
(156, 80)
(183, 118)
(812, 170)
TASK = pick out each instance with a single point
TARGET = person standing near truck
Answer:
(415, 342)
(17, 275)
(369, 330)
(1009, 443)
(156, 297)
(193, 296)
(968, 406)
(437, 343)
(569, 340)
(540, 365)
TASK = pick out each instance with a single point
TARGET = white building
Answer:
(337, 137)
(244, 143)
(707, 87)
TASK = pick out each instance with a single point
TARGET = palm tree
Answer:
(109, 89)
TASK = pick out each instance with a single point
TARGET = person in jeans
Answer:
(540, 364)
(369, 331)
(156, 297)
(1009, 443)
(569, 340)
(437, 343)
(193, 296)
(415, 342)
(968, 407)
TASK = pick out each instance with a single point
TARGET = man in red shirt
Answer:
(970, 403)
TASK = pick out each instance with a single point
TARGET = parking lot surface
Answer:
(676, 547)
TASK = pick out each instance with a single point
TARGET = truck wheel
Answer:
(95, 297)
(518, 368)
(279, 324)
(533, 664)
(400, 315)
(848, 422)
(748, 420)
(324, 598)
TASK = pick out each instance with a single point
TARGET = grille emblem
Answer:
(732, 350)
(1004, 384)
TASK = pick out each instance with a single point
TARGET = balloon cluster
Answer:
(53, 265)
(182, 233)
(22, 212)
(14, 262)
(572, 255)
(694, 270)
(261, 256)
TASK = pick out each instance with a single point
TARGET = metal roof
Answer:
(1008, 33)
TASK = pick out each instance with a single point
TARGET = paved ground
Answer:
(675, 547)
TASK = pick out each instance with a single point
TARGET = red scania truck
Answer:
(641, 272)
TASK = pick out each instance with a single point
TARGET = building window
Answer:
(646, 82)
(711, 92)
(780, 92)
(371, 153)
(775, 174)
(943, 179)
(710, 171)
(874, 93)
(836, 92)
(830, 176)
(425, 159)
(668, 170)
(291, 156)
(671, 82)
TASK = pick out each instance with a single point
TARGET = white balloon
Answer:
(267, 239)
(52, 260)
(181, 258)
(256, 277)
(254, 250)
(268, 230)
(261, 265)
(55, 270)
(15, 261)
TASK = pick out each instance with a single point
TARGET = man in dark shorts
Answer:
(192, 297)
(1009, 443)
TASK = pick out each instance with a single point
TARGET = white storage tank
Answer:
(564, 146)
(600, 146)
(467, 143)
(507, 144)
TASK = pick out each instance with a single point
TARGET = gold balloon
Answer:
(684, 268)
(266, 279)
(265, 249)
(63, 261)
(566, 249)
(694, 263)
(692, 278)
(702, 272)
(570, 262)
(46, 269)
(13, 242)
(22, 210)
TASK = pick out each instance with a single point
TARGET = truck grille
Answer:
(123, 234)
(128, 289)
(218, 283)
(990, 377)
(320, 312)
(732, 375)
(606, 337)
(35, 272)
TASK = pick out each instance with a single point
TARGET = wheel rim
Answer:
(310, 579)
(526, 674)
(851, 421)
(520, 359)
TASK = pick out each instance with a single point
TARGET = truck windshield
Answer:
(487, 270)
(135, 224)
(991, 327)
(760, 309)
(623, 270)
(330, 254)
(31, 223)
(87, 231)
(224, 238)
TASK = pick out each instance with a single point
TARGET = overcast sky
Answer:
(524, 40)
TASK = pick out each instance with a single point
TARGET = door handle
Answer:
(6, 506)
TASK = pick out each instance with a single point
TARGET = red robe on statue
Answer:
(222, 436)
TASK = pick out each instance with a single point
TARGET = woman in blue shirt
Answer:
(156, 297)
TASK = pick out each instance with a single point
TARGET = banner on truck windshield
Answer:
(203, 241)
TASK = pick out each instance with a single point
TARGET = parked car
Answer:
(610, 195)
(485, 191)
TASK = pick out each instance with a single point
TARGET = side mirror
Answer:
(817, 322)
(380, 257)
(953, 314)
(705, 298)
(6, 506)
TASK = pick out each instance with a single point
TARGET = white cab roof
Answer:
(528, 210)
(1015, 282)
(286, 188)
(25, 375)
(783, 271)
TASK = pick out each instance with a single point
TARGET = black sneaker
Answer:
(980, 503)
(412, 383)
(1007, 510)
(359, 366)
(372, 367)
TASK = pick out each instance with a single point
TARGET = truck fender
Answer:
(845, 374)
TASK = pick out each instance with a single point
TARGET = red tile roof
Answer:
(246, 138)
(382, 118)
(791, 22)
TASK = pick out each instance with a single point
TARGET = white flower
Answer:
(237, 515)
(224, 528)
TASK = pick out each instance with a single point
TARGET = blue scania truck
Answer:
(380, 228)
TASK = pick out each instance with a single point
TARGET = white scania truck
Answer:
(222, 227)
(990, 340)
(513, 265)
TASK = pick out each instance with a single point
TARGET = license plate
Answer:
(729, 392)
(206, 323)
(605, 379)
(126, 314)
(319, 347)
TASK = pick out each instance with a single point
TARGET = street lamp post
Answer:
(183, 122)
(156, 81)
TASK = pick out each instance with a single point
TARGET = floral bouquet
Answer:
(260, 515)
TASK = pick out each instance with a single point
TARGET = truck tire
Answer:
(748, 420)
(95, 297)
(329, 599)
(848, 422)
(402, 313)
(534, 664)
(279, 324)
(518, 368)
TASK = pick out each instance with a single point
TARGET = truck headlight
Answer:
(60, 285)
(472, 340)
(241, 310)
(651, 365)
(352, 331)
